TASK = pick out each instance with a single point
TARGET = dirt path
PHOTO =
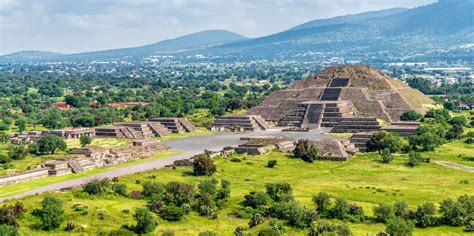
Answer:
(455, 166)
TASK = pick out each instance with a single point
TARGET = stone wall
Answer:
(23, 177)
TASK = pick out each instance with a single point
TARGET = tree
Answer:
(50, 143)
(51, 214)
(411, 115)
(322, 201)
(17, 152)
(120, 189)
(306, 151)
(203, 165)
(427, 140)
(85, 140)
(381, 140)
(455, 132)
(424, 215)
(397, 226)
(340, 209)
(383, 212)
(414, 159)
(97, 186)
(179, 193)
(145, 221)
(171, 213)
(401, 209)
(54, 120)
(153, 189)
(279, 191)
(4, 137)
(257, 199)
(21, 124)
(386, 156)
(10, 213)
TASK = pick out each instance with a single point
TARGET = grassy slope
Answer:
(363, 180)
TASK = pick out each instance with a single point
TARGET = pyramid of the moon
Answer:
(339, 92)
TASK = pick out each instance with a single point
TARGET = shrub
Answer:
(383, 212)
(208, 233)
(136, 194)
(17, 152)
(279, 191)
(256, 199)
(121, 232)
(236, 160)
(410, 115)
(120, 189)
(399, 226)
(208, 186)
(322, 201)
(203, 165)
(306, 151)
(153, 189)
(386, 156)
(325, 228)
(10, 213)
(51, 214)
(168, 232)
(451, 212)
(97, 186)
(145, 221)
(294, 213)
(469, 141)
(271, 163)
(224, 192)
(414, 159)
(256, 220)
(456, 132)
(401, 209)
(424, 215)
(356, 213)
(178, 193)
(171, 213)
(8, 230)
(85, 140)
(340, 209)
(382, 140)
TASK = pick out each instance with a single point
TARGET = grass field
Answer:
(198, 132)
(101, 142)
(30, 185)
(363, 180)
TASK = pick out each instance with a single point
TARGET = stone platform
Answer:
(239, 124)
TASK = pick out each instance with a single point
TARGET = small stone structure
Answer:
(403, 128)
(360, 140)
(147, 128)
(118, 132)
(240, 123)
(335, 149)
(23, 177)
(264, 144)
(176, 125)
(71, 133)
(26, 137)
(356, 124)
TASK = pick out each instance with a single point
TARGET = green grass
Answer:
(198, 132)
(101, 142)
(30, 185)
(363, 180)
(456, 152)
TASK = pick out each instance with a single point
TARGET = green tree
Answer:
(4, 137)
(50, 143)
(397, 226)
(414, 159)
(340, 208)
(411, 115)
(386, 156)
(306, 151)
(146, 223)
(383, 212)
(21, 124)
(323, 202)
(54, 119)
(203, 165)
(381, 140)
(17, 152)
(51, 214)
(424, 215)
(85, 140)
(171, 213)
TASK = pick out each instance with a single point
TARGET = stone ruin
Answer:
(239, 123)
(335, 149)
(264, 144)
(348, 98)
(176, 125)
(87, 158)
(71, 133)
(26, 137)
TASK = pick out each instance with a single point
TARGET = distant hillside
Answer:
(349, 18)
(28, 55)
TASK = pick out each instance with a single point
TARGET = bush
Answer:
(279, 191)
(153, 189)
(256, 199)
(271, 163)
(424, 215)
(414, 159)
(145, 221)
(256, 220)
(51, 214)
(8, 230)
(386, 156)
(469, 141)
(410, 115)
(97, 186)
(383, 213)
(236, 160)
(208, 233)
(120, 189)
(121, 232)
(85, 140)
(399, 226)
(178, 193)
(294, 213)
(340, 209)
(171, 213)
(203, 165)
(323, 202)
(10, 213)
(401, 209)
(382, 140)
(306, 151)
(325, 228)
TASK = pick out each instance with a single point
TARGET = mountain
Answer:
(194, 41)
(28, 55)
(349, 18)
(440, 25)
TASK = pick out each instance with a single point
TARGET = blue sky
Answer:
(69, 26)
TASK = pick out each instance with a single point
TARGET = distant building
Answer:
(463, 106)
(62, 105)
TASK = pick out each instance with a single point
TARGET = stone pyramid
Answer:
(338, 92)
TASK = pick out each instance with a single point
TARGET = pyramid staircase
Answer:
(360, 140)
(356, 124)
(176, 125)
(75, 166)
(158, 129)
(188, 126)
(240, 123)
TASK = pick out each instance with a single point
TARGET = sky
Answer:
(71, 26)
